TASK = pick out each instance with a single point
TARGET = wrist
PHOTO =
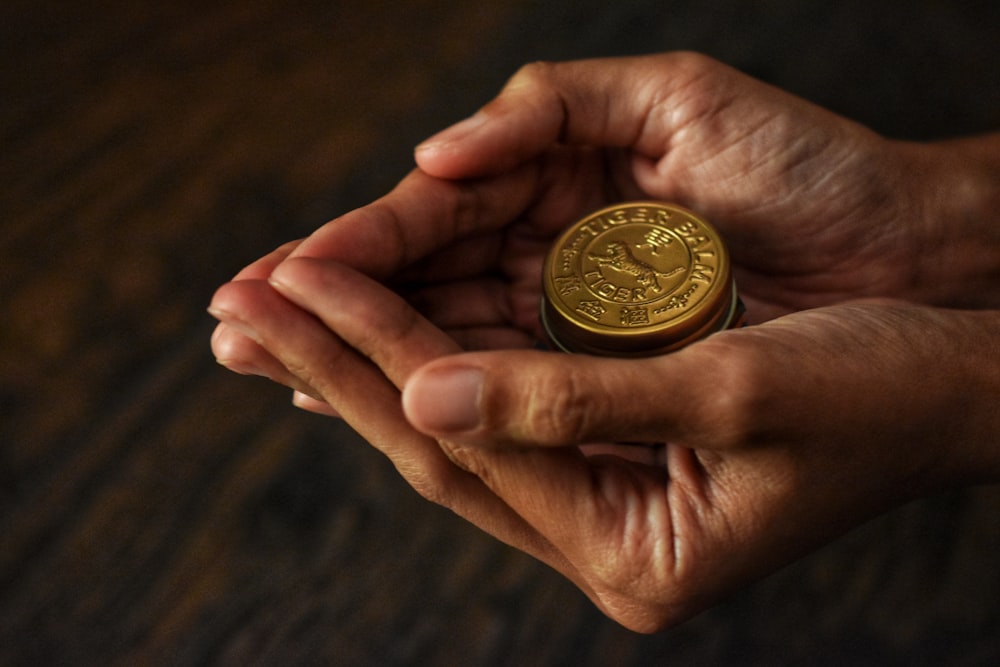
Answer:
(976, 417)
(989, 391)
(956, 187)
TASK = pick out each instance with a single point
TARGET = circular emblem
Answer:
(636, 278)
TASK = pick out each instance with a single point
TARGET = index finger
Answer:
(419, 216)
(631, 102)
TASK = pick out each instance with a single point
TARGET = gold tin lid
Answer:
(637, 279)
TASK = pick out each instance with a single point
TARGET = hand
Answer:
(790, 432)
(771, 448)
(816, 209)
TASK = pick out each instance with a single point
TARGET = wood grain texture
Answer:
(155, 509)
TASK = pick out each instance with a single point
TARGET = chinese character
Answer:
(592, 309)
(656, 238)
(567, 284)
(634, 316)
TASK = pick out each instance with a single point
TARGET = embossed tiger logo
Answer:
(621, 258)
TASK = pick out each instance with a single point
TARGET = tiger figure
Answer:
(621, 258)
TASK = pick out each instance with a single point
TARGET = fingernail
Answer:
(456, 132)
(230, 319)
(219, 313)
(445, 400)
(241, 367)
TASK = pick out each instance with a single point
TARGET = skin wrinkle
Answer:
(623, 514)
(710, 112)
(565, 135)
(949, 201)
(564, 417)
(477, 463)
(890, 281)
(385, 214)
(800, 158)
(313, 374)
(467, 209)
(397, 324)
(681, 107)
(647, 139)
(440, 485)
(536, 78)
(648, 521)
(522, 299)
(397, 333)
(405, 254)
(672, 562)
(796, 156)
(564, 116)
(690, 494)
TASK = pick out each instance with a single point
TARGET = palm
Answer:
(803, 197)
(806, 217)
(790, 252)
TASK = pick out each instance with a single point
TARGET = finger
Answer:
(612, 519)
(261, 269)
(651, 455)
(304, 347)
(419, 217)
(310, 404)
(372, 319)
(361, 393)
(561, 400)
(235, 350)
(239, 353)
(610, 103)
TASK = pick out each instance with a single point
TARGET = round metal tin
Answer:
(637, 279)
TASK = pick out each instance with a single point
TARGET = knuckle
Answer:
(558, 411)
(433, 481)
(640, 615)
(389, 328)
(693, 61)
(316, 371)
(541, 85)
(467, 208)
(734, 400)
(650, 580)
(534, 73)
(637, 598)
(428, 488)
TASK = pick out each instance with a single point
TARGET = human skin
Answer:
(869, 377)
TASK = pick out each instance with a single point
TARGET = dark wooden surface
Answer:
(155, 509)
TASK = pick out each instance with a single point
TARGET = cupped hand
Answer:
(777, 437)
(816, 209)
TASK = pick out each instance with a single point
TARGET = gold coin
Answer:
(635, 279)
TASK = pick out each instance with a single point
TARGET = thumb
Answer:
(536, 398)
(604, 103)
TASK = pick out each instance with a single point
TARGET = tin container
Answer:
(637, 279)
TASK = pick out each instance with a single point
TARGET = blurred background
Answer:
(156, 509)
